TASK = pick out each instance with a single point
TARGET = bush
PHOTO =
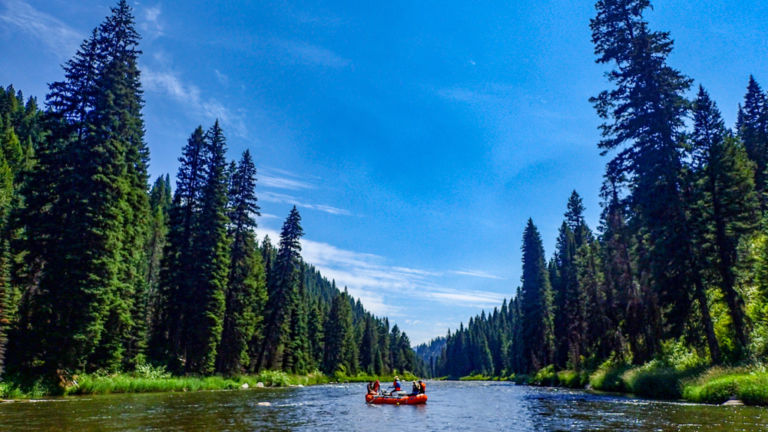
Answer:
(608, 377)
(572, 379)
(475, 377)
(654, 380)
(544, 377)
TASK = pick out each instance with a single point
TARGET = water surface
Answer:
(476, 406)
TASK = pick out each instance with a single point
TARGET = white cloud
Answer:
(150, 22)
(312, 54)
(288, 199)
(189, 96)
(367, 276)
(483, 299)
(476, 273)
(57, 36)
(283, 182)
(222, 77)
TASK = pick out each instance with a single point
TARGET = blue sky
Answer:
(416, 137)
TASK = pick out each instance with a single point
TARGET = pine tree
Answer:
(338, 334)
(368, 346)
(752, 126)
(281, 284)
(296, 357)
(726, 207)
(211, 248)
(160, 201)
(316, 325)
(535, 304)
(246, 290)
(86, 209)
(179, 260)
(643, 116)
(19, 134)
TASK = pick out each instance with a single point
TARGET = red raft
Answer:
(396, 400)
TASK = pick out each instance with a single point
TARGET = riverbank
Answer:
(151, 380)
(655, 380)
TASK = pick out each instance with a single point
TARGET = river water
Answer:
(473, 406)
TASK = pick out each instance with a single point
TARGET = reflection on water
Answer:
(452, 406)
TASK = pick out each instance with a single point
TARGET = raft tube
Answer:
(396, 400)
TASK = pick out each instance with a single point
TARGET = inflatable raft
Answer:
(396, 399)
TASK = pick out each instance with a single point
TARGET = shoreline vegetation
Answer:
(157, 380)
(655, 380)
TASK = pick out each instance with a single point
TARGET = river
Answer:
(474, 406)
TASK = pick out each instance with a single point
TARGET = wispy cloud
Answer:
(57, 36)
(189, 96)
(288, 199)
(368, 275)
(221, 77)
(149, 22)
(279, 179)
(390, 290)
(306, 53)
(484, 299)
(476, 273)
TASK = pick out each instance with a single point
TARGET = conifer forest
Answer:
(100, 272)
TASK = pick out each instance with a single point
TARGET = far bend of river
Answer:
(467, 406)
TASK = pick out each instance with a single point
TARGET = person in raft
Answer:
(416, 388)
(422, 387)
(373, 387)
(396, 385)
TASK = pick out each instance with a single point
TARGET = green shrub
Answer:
(475, 377)
(544, 377)
(654, 380)
(572, 378)
(608, 377)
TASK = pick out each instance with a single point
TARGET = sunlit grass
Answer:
(717, 385)
(147, 379)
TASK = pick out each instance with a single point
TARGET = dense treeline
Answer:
(679, 261)
(100, 272)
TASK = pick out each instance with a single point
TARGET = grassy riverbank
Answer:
(657, 380)
(152, 380)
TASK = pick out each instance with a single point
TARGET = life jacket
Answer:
(423, 387)
(396, 385)
(376, 386)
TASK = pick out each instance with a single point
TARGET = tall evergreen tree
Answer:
(296, 356)
(86, 210)
(179, 260)
(752, 126)
(246, 289)
(726, 207)
(338, 336)
(281, 284)
(535, 304)
(160, 201)
(643, 116)
(211, 248)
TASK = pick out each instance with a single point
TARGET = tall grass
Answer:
(564, 378)
(129, 383)
(148, 379)
(717, 385)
